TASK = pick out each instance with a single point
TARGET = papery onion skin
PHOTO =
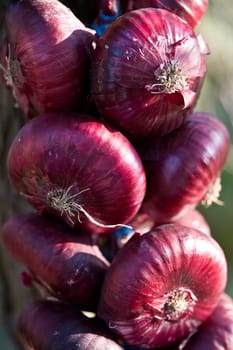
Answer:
(48, 58)
(169, 260)
(65, 164)
(191, 11)
(69, 265)
(147, 72)
(182, 167)
(51, 325)
(216, 333)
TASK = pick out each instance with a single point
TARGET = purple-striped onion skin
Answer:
(68, 265)
(76, 168)
(162, 285)
(147, 72)
(191, 11)
(183, 168)
(51, 325)
(47, 61)
(217, 331)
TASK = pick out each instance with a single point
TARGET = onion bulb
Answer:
(183, 168)
(47, 60)
(77, 169)
(62, 263)
(162, 285)
(147, 72)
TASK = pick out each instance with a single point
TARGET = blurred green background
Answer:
(217, 98)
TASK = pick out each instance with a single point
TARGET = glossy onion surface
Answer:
(183, 168)
(191, 11)
(78, 169)
(47, 61)
(50, 325)
(162, 285)
(70, 266)
(147, 72)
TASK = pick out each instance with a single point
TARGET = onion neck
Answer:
(179, 303)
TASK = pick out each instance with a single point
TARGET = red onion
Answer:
(217, 331)
(147, 72)
(183, 168)
(162, 285)
(51, 325)
(69, 266)
(78, 169)
(47, 61)
(191, 11)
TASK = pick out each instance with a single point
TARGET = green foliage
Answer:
(216, 98)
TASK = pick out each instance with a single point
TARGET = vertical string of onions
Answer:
(165, 282)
